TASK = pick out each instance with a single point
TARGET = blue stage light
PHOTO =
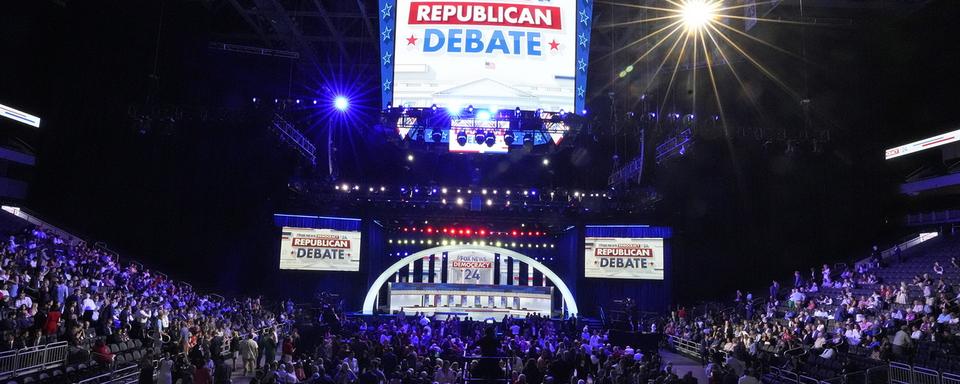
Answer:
(483, 114)
(341, 103)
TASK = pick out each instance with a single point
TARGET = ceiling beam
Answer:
(366, 20)
(245, 15)
(333, 30)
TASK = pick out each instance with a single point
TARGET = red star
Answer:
(412, 40)
(554, 45)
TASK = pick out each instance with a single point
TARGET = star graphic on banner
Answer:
(386, 10)
(583, 39)
(554, 45)
(412, 40)
(386, 58)
(386, 33)
(581, 65)
(584, 17)
(386, 85)
(579, 91)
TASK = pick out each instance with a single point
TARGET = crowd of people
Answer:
(821, 315)
(55, 290)
(424, 350)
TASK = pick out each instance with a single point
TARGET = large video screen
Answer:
(624, 258)
(318, 249)
(492, 54)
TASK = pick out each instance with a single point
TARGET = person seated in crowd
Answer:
(102, 353)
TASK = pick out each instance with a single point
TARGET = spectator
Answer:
(749, 377)
(248, 352)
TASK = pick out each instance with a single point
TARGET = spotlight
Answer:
(479, 137)
(410, 157)
(470, 108)
(254, 99)
(528, 139)
(437, 135)
(483, 115)
(508, 137)
(341, 103)
(697, 13)
(491, 139)
(433, 107)
(298, 101)
(516, 112)
(314, 101)
(546, 161)
(462, 138)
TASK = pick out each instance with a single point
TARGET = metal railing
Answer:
(935, 217)
(33, 359)
(900, 373)
(950, 378)
(128, 374)
(684, 346)
(909, 243)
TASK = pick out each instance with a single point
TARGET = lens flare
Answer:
(697, 13)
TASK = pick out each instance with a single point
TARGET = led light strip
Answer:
(917, 146)
(20, 116)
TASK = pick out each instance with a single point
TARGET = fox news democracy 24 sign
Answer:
(495, 54)
(623, 258)
(314, 249)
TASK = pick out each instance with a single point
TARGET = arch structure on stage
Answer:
(476, 280)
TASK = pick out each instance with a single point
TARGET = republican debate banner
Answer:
(623, 258)
(315, 249)
(492, 54)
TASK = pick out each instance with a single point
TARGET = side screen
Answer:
(623, 258)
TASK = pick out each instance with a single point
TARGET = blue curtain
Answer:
(301, 221)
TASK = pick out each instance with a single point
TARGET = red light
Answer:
(429, 230)
(514, 233)
(444, 230)
(483, 232)
(404, 229)
(461, 232)
(468, 232)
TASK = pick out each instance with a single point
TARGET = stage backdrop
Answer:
(651, 295)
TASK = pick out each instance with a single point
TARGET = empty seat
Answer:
(114, 348)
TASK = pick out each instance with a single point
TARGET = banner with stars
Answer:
(492, 54)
